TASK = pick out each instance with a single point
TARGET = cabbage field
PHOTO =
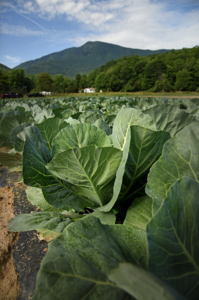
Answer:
(117, 180)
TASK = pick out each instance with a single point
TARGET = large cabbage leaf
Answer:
(173, 239)
(180, 158)
(35, 157)
(169, 118)
(78, 136)
(134, 133)
(49, 129)
(83, 256)
(141, 284)
(91, 169)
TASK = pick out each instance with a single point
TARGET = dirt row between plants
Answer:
(20, 253)
(8, 278)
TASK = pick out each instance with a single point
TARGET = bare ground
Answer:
(8, 277)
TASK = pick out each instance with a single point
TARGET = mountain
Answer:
(82, 59)
(3, 67)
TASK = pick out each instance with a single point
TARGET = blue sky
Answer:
(30, 29)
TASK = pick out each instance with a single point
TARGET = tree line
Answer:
(176, 70)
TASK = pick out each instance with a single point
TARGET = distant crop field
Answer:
(186, 94)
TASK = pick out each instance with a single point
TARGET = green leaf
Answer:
(90, 168)
(180, 158)
(139, 213)
(173, 238)
(35, 110)
(92, 118)
(145, 148)
(35, 196)
(50, 128)
(62, 195)
(103, 126)
(35, 135)
(72, 121)
(67, 113)
(24, 118)
(4, 142)
(20, 179)
(107, 218)
(138, 216)
(7, 126)
(39, 220)
(85, 114)
(169, 118)
(18, 143)
(58, 111)
(108, 119)
(47, 235)
(35, 157)
(140, 147)
(39, 118)
(7, 159)
(126, 118)
(78, 136)
(83, 256)
(141, 284)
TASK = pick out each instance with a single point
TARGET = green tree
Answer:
(100, 82)
(32, 77)
(4, 82)
(140, 67)
(138, 83)
(16, 80)
(71, 89)
(178, 64)
(162, 84)
(196, 52)
(130, 86)
(44, 82)
(64, 85)
(115, 83)
(153, 71)
(58, 81)
(83, 82)
(91, 78)
(28, 85)
(77, 81)
(183, 79)
(124, 71)
(171, 75)
(196, 69)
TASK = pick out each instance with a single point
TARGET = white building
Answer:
(89, 90)
(46, 93)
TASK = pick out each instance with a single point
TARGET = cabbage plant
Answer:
(120, 205)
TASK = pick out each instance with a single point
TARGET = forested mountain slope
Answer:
(81, 59)
(3, 67)
(176, 70)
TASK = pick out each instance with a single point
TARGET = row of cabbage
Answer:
(117, 180)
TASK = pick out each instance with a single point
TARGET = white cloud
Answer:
(145, 24)
(18, 30)
(13, 59)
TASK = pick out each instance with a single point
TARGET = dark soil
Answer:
(27, 251)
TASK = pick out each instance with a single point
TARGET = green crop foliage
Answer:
(117, 180)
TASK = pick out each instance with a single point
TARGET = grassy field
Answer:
(135, 94)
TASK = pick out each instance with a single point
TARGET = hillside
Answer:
(3, 67)
(81, 59)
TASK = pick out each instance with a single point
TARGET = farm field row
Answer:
(117, 180)
(184, 94)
